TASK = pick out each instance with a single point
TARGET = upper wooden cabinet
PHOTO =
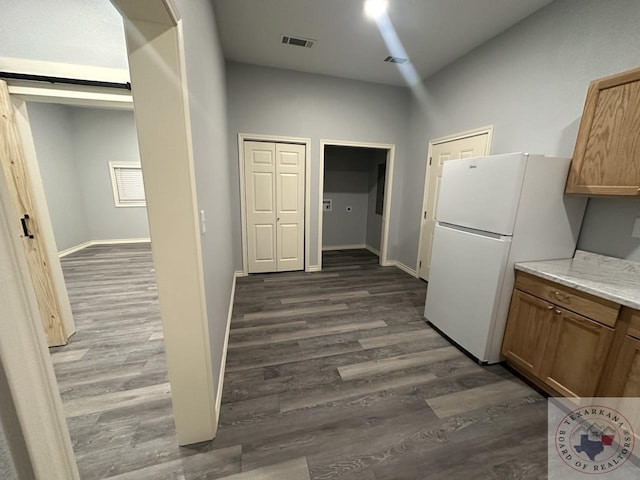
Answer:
(606, 160)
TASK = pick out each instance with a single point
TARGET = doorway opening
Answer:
(90, 179)
(355, 197)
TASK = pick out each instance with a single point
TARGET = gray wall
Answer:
(100, 136)
(68, 31)
(264, 100)
(74, 146)
(346, 183)
(608, 226)
(53, 137)
(530, 83)
(206, 80)
(374, 220)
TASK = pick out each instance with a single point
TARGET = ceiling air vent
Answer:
(298, 41)
(391, 59)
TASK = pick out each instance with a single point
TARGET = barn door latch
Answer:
(25, 227)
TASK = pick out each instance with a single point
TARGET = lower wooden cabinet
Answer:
(625, 377)
(562, 350)
(527, 332)
(570, 343)
(575, 355)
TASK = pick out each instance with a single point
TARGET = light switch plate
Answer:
(203, 223)
(636, 229)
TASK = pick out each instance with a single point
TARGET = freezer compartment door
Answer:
(467, 272)
(482, 193)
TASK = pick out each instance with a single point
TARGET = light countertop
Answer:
(605, 277)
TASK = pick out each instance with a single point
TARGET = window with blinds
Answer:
(126, 180)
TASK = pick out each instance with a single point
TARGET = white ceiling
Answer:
(433, 32)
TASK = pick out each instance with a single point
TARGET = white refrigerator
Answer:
(493, 212)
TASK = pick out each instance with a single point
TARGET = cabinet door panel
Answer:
(527, 331)
(578, 350)
(625, 378)
(606, 159)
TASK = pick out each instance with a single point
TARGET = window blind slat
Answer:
(129, 184)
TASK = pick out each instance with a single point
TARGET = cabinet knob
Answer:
(558, 311)
(560, 295)
(550, 307)
(639, 190)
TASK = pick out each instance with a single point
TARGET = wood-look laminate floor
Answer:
(330, 375)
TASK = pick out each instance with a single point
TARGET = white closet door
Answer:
(260, 185)
(290, 163)
(274, 184)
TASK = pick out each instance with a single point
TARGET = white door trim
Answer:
(155, 48)
(388, 185)
(449, 138)
(242, 137)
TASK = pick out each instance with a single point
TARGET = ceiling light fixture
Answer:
(375, 8)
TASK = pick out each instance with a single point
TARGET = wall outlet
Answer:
(636, 229)
(349, 208)
(327, 205)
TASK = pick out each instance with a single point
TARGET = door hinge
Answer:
(430, 158)
(425, 214)
(420, 264)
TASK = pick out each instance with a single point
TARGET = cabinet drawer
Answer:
(598, 309)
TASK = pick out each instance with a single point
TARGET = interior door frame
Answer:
(195, 400)
(43, 446)
(388, 185)
(430, 144)
(255, 137)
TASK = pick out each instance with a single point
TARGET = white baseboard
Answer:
(239, 273)
(351, 246)
(372, 250)
(223, 364)
(115, 241)
(403, 267)
(118, 241)
(313, 268)
(70, 250)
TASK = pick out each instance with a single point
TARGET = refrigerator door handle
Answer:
(473, 231)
